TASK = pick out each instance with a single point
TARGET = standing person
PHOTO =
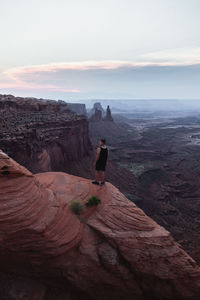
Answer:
(100, 162)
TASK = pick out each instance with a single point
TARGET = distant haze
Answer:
(92, 49)
(148, 105)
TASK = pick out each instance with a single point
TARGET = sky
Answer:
(94, 49)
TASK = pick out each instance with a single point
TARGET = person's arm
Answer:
(97, 156)
(108, 156)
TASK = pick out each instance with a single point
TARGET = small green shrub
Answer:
(77, 207)
(92, 201)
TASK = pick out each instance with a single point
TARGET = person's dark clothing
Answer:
(101, 163)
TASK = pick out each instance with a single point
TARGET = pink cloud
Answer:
(13, 77)
(13, 81)
(14, 73)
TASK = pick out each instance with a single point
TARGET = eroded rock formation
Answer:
(113, 251)
(98, 114)
(97, 105)
(108, 116)
(43, 135)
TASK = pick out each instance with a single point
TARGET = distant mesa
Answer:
(98, 114)
(97, 106)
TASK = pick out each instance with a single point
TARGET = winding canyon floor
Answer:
(155, 162)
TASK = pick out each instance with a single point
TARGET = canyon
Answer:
(154, 162)
(43, 135)
(156, 156)
(46, 135)
(162, 153)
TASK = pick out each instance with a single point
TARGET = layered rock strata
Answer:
(43, 135)
(113, 251)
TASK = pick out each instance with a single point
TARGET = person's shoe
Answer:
(102, 183)
(95, 182)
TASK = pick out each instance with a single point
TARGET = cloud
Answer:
(12, 80)
(178, 56)
(30, 77)
(107, 78)
(154, 59)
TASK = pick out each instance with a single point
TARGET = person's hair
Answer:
(103, 141)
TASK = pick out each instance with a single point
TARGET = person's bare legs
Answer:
(102, 176)
(97, 176)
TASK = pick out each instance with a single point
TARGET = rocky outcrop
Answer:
(97, 106)
(98, 114)
(113, 251)
(78, 108)
(108, 116)
(43, 135)
(20, 104)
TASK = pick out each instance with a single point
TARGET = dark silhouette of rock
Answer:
(113, 251)
(98, 106)
(97, 116)
(108, 116)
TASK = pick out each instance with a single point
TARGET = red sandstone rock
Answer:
(45, 131)
(114, 251)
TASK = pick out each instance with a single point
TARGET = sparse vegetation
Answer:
(77, 206)
(93, 201)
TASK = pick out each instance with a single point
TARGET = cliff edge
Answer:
(114, 251)
(43, 135)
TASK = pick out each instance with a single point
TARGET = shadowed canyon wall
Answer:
(43, 135)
